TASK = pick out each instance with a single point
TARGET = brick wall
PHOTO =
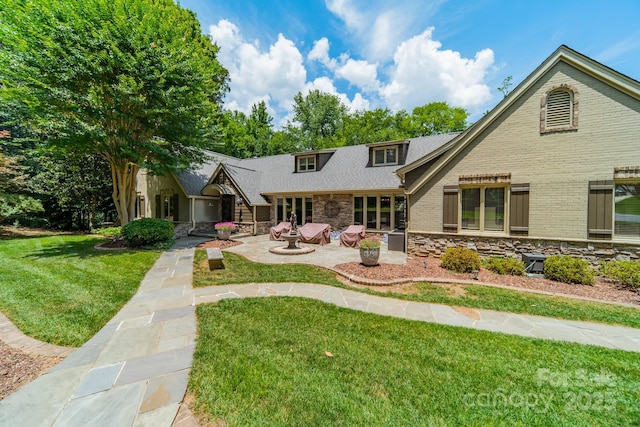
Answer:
(558, 166)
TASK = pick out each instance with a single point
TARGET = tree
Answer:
(133, 81)
(260, 129)
(13, 183)
(73, 189)
(506, 86)
(437, 118)
(364, 127)
(320, 117)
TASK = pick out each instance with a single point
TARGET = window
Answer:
(627, 210)
(140, 206)
(483, 208)
(357, 211)
(306, 163)
(381, 212)
(302, 206)
(559, 110)
(385, 156)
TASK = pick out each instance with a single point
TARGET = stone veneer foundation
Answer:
(591, 251)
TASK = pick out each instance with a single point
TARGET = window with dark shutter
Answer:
(600, 210)
(450, 209)
(519, 210)
(158, 206)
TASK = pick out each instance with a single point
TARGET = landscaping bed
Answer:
(603, 289)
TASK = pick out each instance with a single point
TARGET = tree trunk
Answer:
(124, 177)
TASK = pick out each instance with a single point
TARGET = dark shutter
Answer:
(143, 211)
(519, 209)
(450, 209)
(176, 211)
(158, 207)
(600, 215)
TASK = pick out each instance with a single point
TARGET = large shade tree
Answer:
(134, 81)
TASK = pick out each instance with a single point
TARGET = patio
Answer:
(256, 248)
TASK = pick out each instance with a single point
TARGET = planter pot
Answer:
(224, 234)
(369, 256)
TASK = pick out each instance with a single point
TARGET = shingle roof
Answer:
(194, 180)
(346, 170)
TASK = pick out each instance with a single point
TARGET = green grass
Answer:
(476, 296)
(262, 362)
(240, 270)
(60, 290)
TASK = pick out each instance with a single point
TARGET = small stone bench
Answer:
(215, 257)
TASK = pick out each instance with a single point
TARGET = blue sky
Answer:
(404, 53)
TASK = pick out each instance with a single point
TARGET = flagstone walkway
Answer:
(134, 372)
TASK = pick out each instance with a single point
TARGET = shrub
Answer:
(461, 260)
(504, 265)
(627, 272)
(109, 231)
(371, 242)
(568, 270)
(147, 232)
(225, 226)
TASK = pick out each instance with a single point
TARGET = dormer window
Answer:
(306, 163)
(384, 156)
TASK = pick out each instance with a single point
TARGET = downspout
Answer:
(193, 215)
(255, 221)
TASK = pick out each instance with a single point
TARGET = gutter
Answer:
(193, 215)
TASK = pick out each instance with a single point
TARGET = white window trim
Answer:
(384, 150)
(305, 160)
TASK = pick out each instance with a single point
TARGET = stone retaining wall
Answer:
(591, 251)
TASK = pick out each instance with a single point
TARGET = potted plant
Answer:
(370, 250)
(224, 230)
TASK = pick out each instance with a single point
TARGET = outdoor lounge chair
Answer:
(275, 232)
(352, 235)
(313, 232)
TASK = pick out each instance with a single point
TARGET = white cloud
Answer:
(360, 73)
(422, 73)
(379, 26)
(274, 76)
(320, 53)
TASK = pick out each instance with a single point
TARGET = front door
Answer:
(227, 208)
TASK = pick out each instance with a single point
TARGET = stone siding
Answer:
(335, 210)
(263, 227)
(592, 252)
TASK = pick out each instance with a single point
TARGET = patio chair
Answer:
(275, 232)
(352, 235)
(313, 232)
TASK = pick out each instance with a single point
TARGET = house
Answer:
(178, 196)
(339, 186)
(553, 168)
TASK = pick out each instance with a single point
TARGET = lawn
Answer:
(60, 290)
(297, 362)
(238, 270)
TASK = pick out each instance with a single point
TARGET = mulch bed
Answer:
(18, 368)
(429, 267)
